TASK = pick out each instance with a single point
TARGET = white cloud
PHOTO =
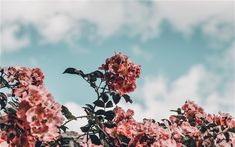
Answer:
(157, 95)
(76, 110)
(56, 28)
(137, 51)
(184, 15)
(10, 42)
(200, 83)
(62, 20)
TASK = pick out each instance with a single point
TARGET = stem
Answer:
(75, 118)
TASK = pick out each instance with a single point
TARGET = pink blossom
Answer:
(121, 73)
(38, 114)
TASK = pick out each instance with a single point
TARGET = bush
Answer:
(29, 115)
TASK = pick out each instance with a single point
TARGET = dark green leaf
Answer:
(231, 130)
(100, 112)
(180, 116)
(74, 71)
(11, 110)
(177, 111)
(127, 98)
(91, 77)
(110, 125)
(98, 74)
(90, 106)
(38, 143)
(65, 141)
(12, 104)
(65, 111)
(192, 143)
(226, 134)
(85, 128)
(104, 97)
(11, 136)
(101, 135)
(93, 85)
(211, 125)
(109, 115)
(3, 82)
(95, 140)
(203, 129)
(52, 144)
(99, 103)
(116, 98)
(3, 100)
(100, 118)
(124, 139)
(109, 104)
(64, 128)
(169, 123)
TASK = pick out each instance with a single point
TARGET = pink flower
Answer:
(194, 112)
(189, 130)
(121, 73)
(3, 137)
(38, 114)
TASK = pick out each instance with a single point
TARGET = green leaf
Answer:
(109, 104)
(100, 112)
(124, 139)
(99, 103)
(71, 70)
(116, 98)
(104, 97)
(231, 130)
(65, 111)
(3, 83)
(98, 74)
(226, 134)
(85, 128)
(95, 140)
(177, 111)
(109, 115)
(127, 98)
(3, 100)
(110, 125)
(203, 129)
(91, 77)
(64, 128)
(90, 106)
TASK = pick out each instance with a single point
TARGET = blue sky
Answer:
(186, 48)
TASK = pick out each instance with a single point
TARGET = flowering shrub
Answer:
(29, 112)
(29, 115)
(120, 73)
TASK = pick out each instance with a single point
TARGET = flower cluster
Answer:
(121, 73)
(36, 115)
(183, 129)
(29, 115)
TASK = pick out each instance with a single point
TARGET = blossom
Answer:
(193, 112)
(178, 131)
(38, 114)
(121, 73)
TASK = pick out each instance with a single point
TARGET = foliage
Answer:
(29, 115)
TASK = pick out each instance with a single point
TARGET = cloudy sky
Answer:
(186, 48)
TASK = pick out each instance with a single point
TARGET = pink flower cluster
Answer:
(38, 115)
(121, 73)
(190, 127)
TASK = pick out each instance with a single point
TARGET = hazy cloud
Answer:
(63, 20)
(10, 42)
